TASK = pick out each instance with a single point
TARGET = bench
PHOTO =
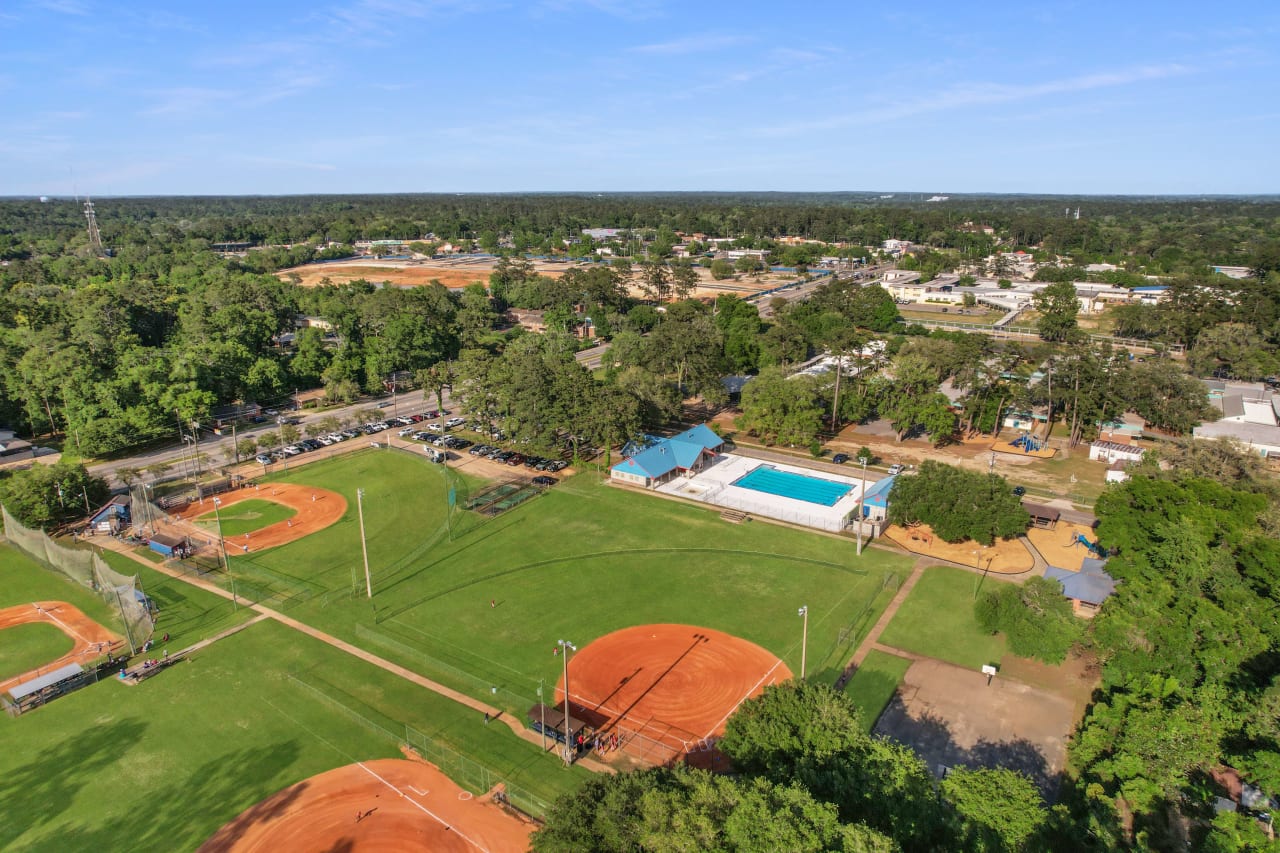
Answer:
(734, 516)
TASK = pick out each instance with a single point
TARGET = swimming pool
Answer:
(795, 486)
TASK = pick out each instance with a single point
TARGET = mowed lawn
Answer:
(23, 580)
(27, 647)
(160, 766)
(246, 517)
(874, 684)
(937, 620)
(482, 605)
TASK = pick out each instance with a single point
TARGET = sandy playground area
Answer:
(91, 639)
(315, 510)
(1005, 557)
(387, 804)
(671, 684)
(1059, 546)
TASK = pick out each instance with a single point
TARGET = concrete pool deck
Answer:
(714, 485)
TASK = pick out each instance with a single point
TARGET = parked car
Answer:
(430, 414)
(406, 431)
(292, 450)
(324, 440)
(544, 480)
(840, 458)
(263, 459)
(558, 465)
(435, 428)
(310, 443)
(386, 404)
(453, 422)
(1019, 491)
(479, 449)
(895, 469)
(418, 418)
(516, 459)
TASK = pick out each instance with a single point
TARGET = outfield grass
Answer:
(246, 517)
(874, 684)
(937, 620)
(161, 765)
(23, 580)
(578, 562)
(26, 647)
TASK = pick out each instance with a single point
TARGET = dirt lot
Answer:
(416, 273)
(951, 717)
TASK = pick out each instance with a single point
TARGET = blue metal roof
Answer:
(701, 435)
(1092, 587)
(667, 454)
(878, 494)
(35, 685)
(654, 462)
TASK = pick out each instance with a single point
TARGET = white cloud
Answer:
(185, 99)
(65, 7)
(691, 44)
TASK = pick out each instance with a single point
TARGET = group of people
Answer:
(599, 742)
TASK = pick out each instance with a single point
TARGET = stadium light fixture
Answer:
(804, 638)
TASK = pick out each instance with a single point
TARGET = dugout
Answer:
(170, 546)
(549, 721)
(39, 690)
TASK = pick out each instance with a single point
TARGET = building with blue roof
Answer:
(875, 503)
(687, 452)
(1087, 588)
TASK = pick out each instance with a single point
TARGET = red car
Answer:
(516, 459)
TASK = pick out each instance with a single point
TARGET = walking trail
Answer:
(873, 636)
(495, 714)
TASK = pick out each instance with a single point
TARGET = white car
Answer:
(453, 422)
(894, 470)
(435, 427)
(324, 439)
(409, 430)
(292, 450)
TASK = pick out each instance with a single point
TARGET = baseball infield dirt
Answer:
(674, 684)
(387, 804)
(91, 639)
(316, 509)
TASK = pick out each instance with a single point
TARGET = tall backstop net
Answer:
(121, 592)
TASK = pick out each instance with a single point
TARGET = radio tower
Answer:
(95, 238)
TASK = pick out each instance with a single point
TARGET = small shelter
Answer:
(875, 503)
(549, 720)
(1087, 588)
(113, 517)
(170, 546)
(1042, 516)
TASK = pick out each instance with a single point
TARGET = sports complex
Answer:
(663, 617)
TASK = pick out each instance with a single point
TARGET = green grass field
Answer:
(937, 620)
(26, 647)
(578, 562)
(23, 580)
(246, 517)
(873, 685)
(160, 766)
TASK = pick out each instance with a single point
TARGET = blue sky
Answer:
(143, 97)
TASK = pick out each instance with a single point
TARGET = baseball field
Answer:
(476, 603)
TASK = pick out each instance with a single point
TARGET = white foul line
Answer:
(746, 696)
(422, 808)
(61, 624)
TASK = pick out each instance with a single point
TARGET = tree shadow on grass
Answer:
(42, 791)
(187, 810)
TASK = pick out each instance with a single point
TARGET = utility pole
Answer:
(226, 564)
(804, 639)
(364, 549)
(861, 496)
(565, 646)
(95, 237)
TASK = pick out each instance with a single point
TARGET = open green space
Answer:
(937, 620)
(874, 684)
(246, 517)
(25, 647)
(23, 580)
(161, 765)
(577, 562)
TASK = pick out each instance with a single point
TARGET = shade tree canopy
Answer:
(957, 504)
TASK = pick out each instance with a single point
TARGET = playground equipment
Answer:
(1094, 547)
(1028, 443)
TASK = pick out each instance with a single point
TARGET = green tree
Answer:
(1234, 350)
(957, 504)
(998, 810)
(721, 269)
(782, 410)
(1058, 307)
(48, 495)
(1034, 616)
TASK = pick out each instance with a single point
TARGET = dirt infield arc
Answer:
(316, 509)
(90, 639)
(676, 684)
(387, 804)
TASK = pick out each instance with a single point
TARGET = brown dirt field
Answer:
(316, 509)
(1006, 557)
(91, 639)
(407, 805)
(676, 684)
(1057, 548)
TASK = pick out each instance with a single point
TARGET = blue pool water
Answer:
(795, 486)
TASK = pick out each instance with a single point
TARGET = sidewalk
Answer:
(873, 636)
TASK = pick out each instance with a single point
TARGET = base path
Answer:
(387, 804)
(91, 639)
(316, 509)
(674, 684)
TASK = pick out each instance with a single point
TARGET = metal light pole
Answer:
(862, 493)
(565, 646)
(364, 548)
(217, 502)
(542, 712)
(804, 639)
